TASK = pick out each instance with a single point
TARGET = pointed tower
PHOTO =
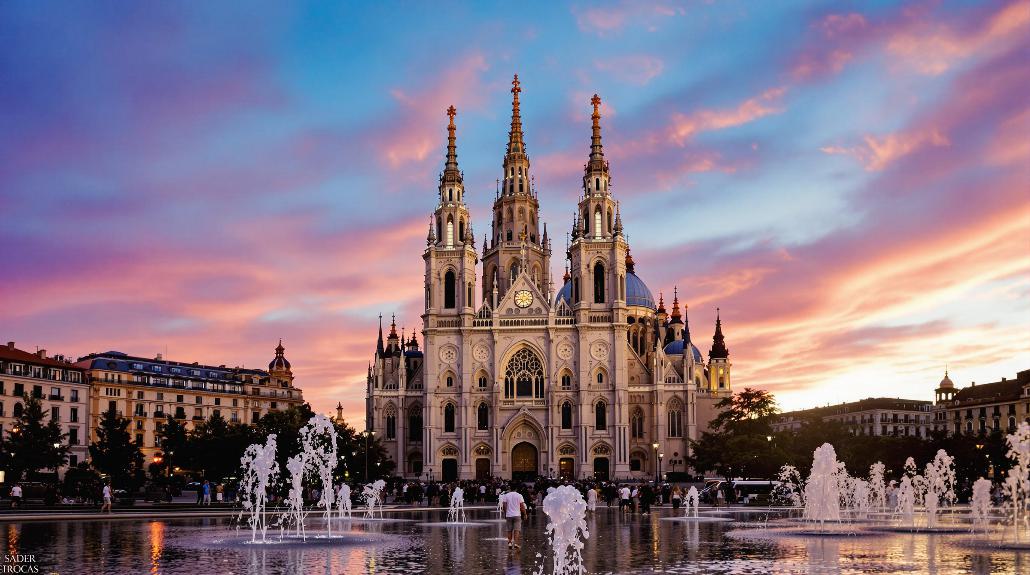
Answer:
(718, 359)
(451, 255)
(279, 368)
(516, 218)
(676, 319)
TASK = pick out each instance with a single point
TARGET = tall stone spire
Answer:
(596, 149)
(676, 317)
(451, 174)
(718, 350)
(516, 144)
(379, 345)
(686, 324)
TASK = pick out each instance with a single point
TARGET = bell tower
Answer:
(516, 220)
(450, 254)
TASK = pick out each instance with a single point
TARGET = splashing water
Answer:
(318, 439)
(877, 486)
(373, 493)
(822, 492)
(790, 490)
(906, 501)
(567, 529)
(294, 514)
(343, 500)
(693, 500)
(980, 504)
(1017, 484)
(940, 485)
(258, 473)
(456, 512)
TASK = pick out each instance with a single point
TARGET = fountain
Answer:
(877, 487)
(373, 493)
(456, 511)
(295, 514)
(940, 485)
(822, 493)
(1017, 483)
(906, 502)
(343, 501)
(980, 504)
(693, 500)
(318, 439)
(567, 529)
(790, 490)
(258, 473)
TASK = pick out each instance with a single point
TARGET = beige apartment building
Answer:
(58, 384)
(147, 390)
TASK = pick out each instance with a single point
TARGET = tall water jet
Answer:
(790, 489)
(877, 487)
(373, 493)
(567, 529)
(693, 500)
(343, 501)
(318, 439)
(258, 473)
(822, 493)
(1017, 484)
(980, 504)
(294, 514)
(456, 511)
(906, 501)
(860, 497)
(940, 485)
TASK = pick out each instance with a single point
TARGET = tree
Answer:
(115, 453)
(174, 442)
(31, 445)
(217, 446)
(739, 440)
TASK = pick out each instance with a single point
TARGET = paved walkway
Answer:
(156, 512)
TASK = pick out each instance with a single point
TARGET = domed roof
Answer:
(637, 292)
(946, 382)
(280, 362)
(676, 348)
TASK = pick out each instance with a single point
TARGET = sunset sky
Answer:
(848, 181)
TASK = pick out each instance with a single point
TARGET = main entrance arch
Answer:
(524, 462)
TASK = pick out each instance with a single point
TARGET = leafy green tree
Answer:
(115, 453)
(32, 445)
(218, 445)
(174, 445)
(739, 439)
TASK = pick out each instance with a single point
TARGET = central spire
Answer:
(596, 150)
(451, 174)
(516, 145)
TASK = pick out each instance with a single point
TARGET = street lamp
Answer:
(768, 438)
(368, 434)
(656, 476)
(660, 457)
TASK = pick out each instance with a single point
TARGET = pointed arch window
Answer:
(566, 381)
(600, 378)
(483, 417)
(566, 415)
(601, 416)
(449, 289)
(598, 283)
(461, 230)
(450, 231)
(514, 272)
(415, 423)
(675, 420)
(448, 418)
(468, 296)
(524, 376)
(597, 223)
(450, 194)
(391, 425)
(597, 184)
(482, 382)
(636, 424)
(575, 289)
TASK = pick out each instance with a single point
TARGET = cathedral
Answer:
(515, 381)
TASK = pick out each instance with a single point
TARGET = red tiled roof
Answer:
(14, 354)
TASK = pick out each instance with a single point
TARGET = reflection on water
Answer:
(618, 544)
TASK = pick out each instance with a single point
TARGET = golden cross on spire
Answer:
(596, 101)
(515, 89)
(451, 113)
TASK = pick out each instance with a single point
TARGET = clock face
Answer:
(523, 298)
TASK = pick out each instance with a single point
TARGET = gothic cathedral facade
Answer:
(597, 380)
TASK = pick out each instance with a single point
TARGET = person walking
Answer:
(624, 498)
(219, 489)
(206, 488)
(676, 496)
(513, 507)
(592, 499)
(107, 498)
(16, 496)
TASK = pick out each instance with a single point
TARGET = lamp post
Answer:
(656, 476)
(660, 457)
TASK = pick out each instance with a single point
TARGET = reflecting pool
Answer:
(618, 544)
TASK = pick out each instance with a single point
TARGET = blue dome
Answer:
(676, 348)
(636, 292)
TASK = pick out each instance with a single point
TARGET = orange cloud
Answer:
(876, 153)
(684, 126)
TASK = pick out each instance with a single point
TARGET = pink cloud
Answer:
(607, 20)
(876, 153)
(636, 69)
(686, 126)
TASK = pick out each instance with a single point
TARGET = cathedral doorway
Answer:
(450, 469)
(601, 468)
(566, 468)
(482, 468)
(524, 466)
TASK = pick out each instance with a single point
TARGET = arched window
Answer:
(600, 416)
(391, 425)
(636, 424)
(566, 381)
(450, 231)
(600, 378)
(483, 417)
(449, 288)
(415, 423)
(597, 184)
(586, 222)
(675, 419)
(575, 289)
(461, 230)
(514, 272)
(482, 382)
(566, 415)
(609, 221)
(598, 283)
(18, 409)
(450, 381)
(597, 223)
(524, 375)
(448, 418)
(439, 229)
(450, 194)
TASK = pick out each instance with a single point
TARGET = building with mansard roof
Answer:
(515, 381)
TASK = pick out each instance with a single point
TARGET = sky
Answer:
(849, 182)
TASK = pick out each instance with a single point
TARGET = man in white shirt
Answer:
(16, 496)
(107, 498)
(624, 498)
(513, 506)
